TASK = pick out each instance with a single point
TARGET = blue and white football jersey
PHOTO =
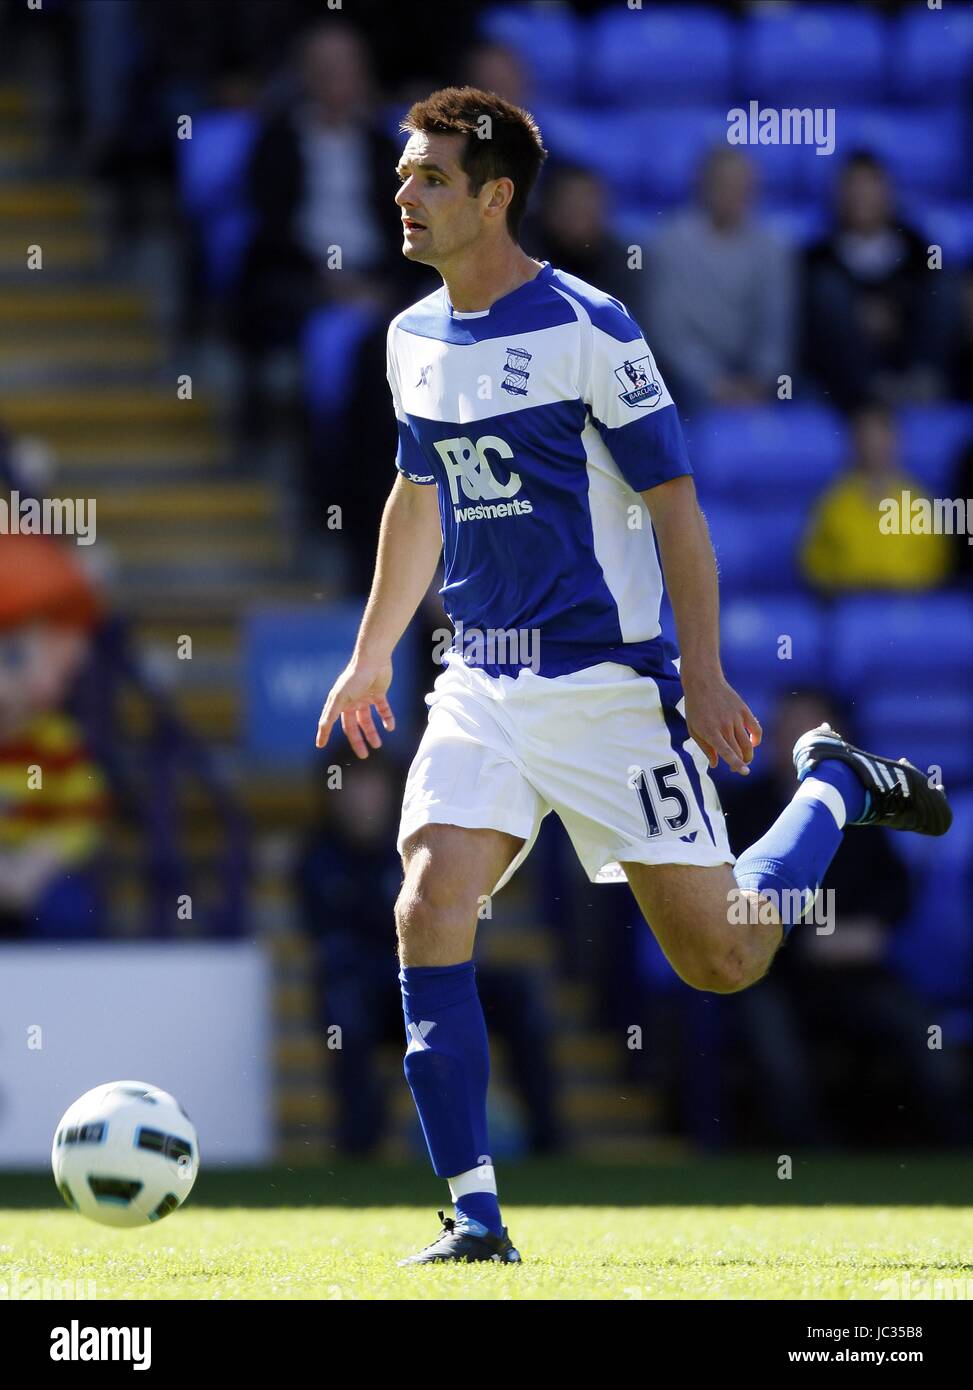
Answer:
(540, 420)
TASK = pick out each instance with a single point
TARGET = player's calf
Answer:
(716, 938)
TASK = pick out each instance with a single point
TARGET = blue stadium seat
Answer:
(780, 171)
(945, 224)
(796, 224)
(926, 152)
(660, 56)
(932, 53)
(931, 728)
(820, 54)
(331, 340)
(213, 164)
(650, 156)
(934, 947)
(918, 643)
(548, 39)
(212, 181)
(786, 453)
(756, 547)
(669, 146)
(754, 654)
(931, 439)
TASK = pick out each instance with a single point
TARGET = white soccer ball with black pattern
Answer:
(125, 1154)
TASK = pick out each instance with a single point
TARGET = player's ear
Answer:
(501, 196)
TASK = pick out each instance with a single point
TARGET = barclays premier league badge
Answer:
(640, 383)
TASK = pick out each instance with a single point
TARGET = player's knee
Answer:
(721, 969)
(431, 909)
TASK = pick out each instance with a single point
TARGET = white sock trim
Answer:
(812, 789)
(482, 1178)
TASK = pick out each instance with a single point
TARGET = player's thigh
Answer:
(691, 911)
(448, 872)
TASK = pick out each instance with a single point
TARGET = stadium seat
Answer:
(931, 728)
(932, 53)
(756, 547)
(669, 147)
(795, 224)
(914, 642)
(945, 224)
(933, 948)
(932, 438)
(926, 152)
(755, 655)
(548, 39)
(212, 181)
(651, 156)
(819, 54)
(785, 453)
(780, 173)
(331, 340)
(660, 56)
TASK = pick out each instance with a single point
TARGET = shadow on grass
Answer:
(732, 1180)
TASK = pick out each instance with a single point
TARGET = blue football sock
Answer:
(789, 861)
(447, 1066)
(839, 775)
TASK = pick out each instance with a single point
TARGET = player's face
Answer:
(439, 217)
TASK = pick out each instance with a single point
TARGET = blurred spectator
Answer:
(571, 231)
(719, 300)
(877, 318)
(830, 992)
(321, 182)
(493, 67)
(349, 876)
(962, 541)
(844, 548)
(52, 794)
(961, 361)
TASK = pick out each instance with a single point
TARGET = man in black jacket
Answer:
(321, 184)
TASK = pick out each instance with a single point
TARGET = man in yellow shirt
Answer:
(864, 533)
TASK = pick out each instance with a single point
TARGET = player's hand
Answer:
(350, 699)
(722, 724)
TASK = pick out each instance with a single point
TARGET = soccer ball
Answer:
(125, 1154)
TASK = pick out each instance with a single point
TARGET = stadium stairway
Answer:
(186, 545)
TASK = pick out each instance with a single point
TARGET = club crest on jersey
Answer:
(639, 380)
(515, 371)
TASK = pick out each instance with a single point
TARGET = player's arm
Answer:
(719, 721)
(409, 544)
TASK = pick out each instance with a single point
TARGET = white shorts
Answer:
(602, 747)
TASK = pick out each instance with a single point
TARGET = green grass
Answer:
(726, 1228)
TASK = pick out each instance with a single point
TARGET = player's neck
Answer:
(478, 282)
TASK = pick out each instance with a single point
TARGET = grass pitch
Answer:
(711, 1229)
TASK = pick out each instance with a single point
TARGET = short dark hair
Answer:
(513, 150)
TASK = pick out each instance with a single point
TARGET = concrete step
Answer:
(108, 411)
(64, 250)
(13, 101)
(77, 308)
(240, 548)
(139, 509)
(183, 598)
(36, 200)
(146, 457)
(57, 358)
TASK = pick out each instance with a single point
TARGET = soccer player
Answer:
(539, 447)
